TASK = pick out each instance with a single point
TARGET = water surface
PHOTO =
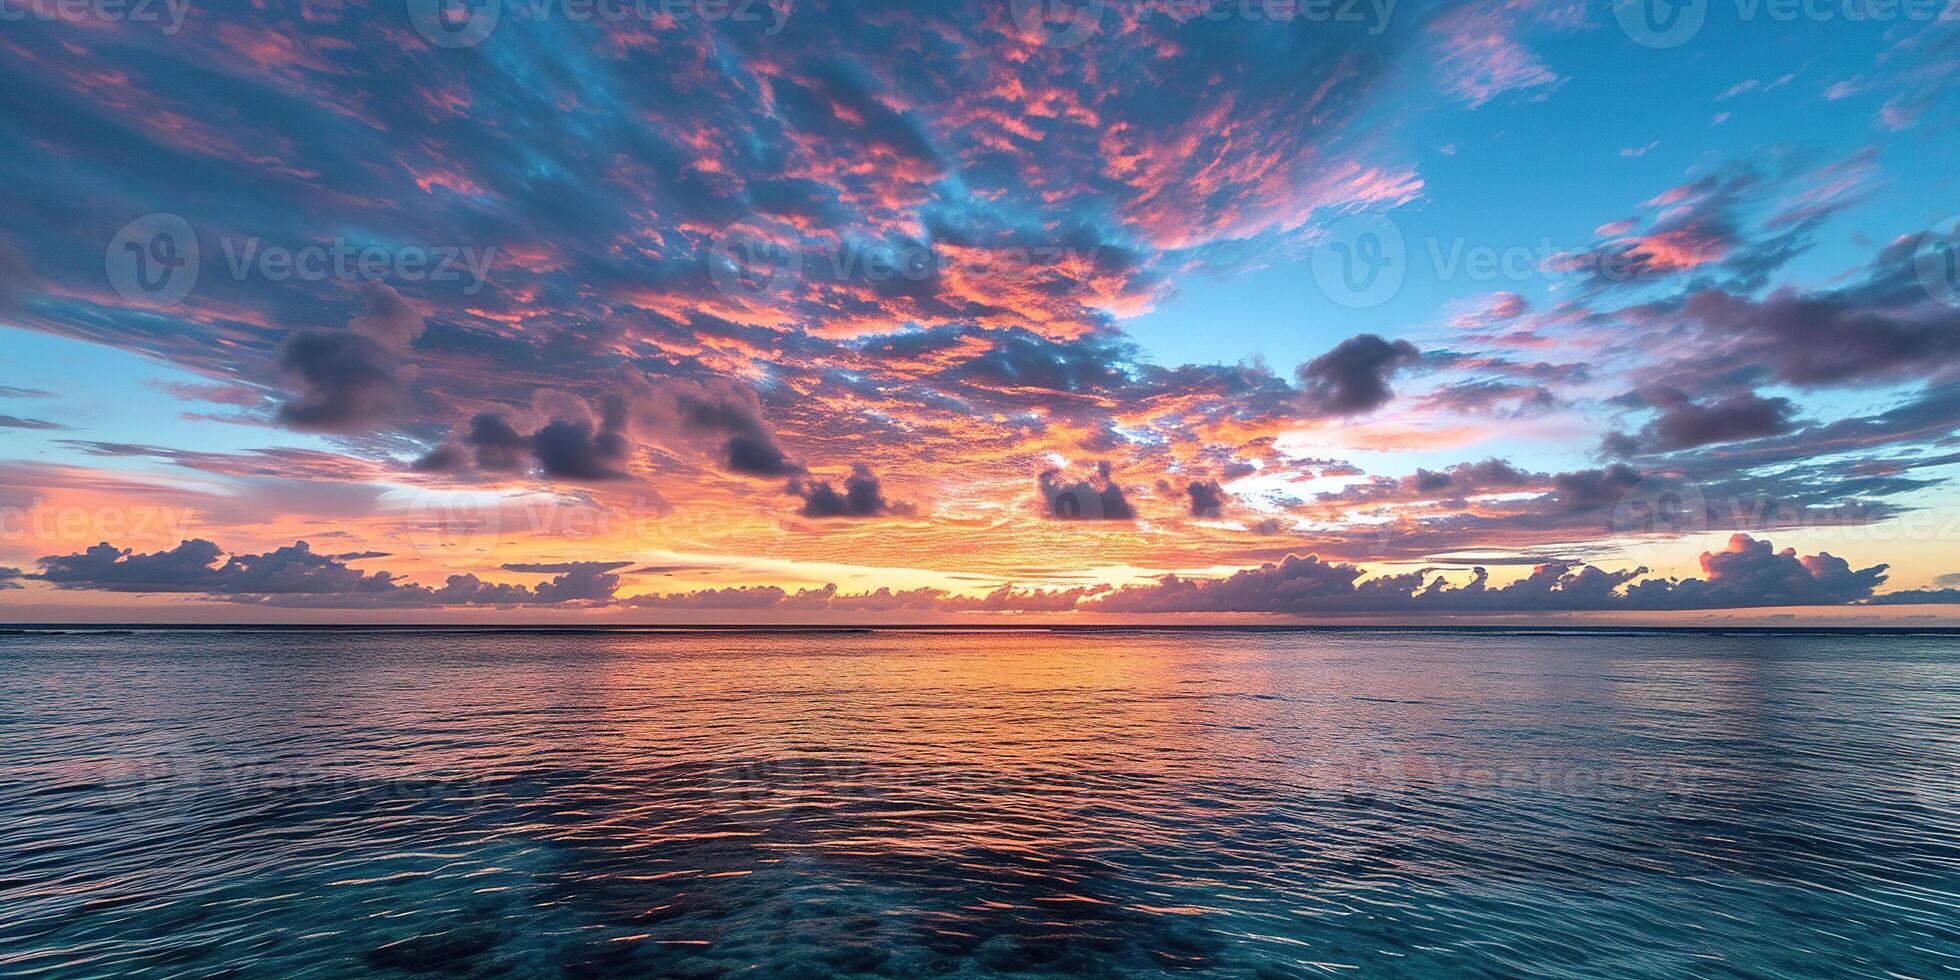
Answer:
(1233, 804)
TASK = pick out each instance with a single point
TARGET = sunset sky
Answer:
(760, 311)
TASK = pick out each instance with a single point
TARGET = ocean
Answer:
(1255, 803)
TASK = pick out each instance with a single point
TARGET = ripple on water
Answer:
(1035, 804)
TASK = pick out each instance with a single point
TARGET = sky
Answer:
(743, 311)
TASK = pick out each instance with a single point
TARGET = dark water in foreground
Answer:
(1035, 804)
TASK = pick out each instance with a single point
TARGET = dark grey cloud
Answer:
(715, 409)
(347, 382)
(496, 446)
(1353, 378)
(1747, 574)
(1100, 499)
(1683, 423)
(1835, 338)
(863, 496)
(757, 456)
(574, 449)
(446, 458)
(298, 576)
(1207, 498)
(1584, 490)
(10, 578)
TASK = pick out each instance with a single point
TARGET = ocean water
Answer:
(1030, 804)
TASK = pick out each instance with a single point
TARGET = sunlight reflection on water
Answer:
(893, 804)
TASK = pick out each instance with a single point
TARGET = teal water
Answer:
(1306, 804)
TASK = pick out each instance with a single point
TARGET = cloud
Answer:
(298, 576)
(1747, 574)
(573, 449)
(862, 497)
(1683, 423)
(16, 422)
(389, 320)
(9, 578)
(495, 445)
(1479, 58)
(572, 446)
(194, 566)
(1498, 399)
(1585, 490)
(1100, 499)
(7, 391)
(348, 380)
(830, 600)
(1353, 378)
(1833, 338)
(682, 410)
(1207, 498)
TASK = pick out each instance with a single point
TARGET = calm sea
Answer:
(879, 804)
